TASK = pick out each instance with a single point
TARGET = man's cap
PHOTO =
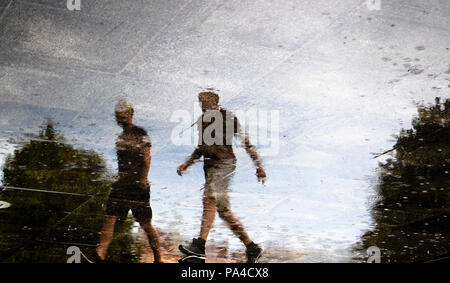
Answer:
(124, 106)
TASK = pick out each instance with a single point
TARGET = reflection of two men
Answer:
(131, 190)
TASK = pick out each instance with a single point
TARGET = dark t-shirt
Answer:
(131, 149)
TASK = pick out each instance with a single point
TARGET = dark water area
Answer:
(41, 226)
(28, 218)
(55, 195)
(412, 207)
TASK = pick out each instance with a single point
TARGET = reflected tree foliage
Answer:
(40, 226)
(50, 164)
(411, 211)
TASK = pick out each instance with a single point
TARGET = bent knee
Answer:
(224, 211)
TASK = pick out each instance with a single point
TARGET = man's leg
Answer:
(222, 182)
(197, 247)
(254, 252)
(209, 213)
(153, 239)
(235, 224)
(224, 208)
(106, 235)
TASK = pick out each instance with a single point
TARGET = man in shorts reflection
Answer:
(219, 166)
(131, 190)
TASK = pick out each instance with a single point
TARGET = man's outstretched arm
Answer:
(251, 151)
(194, 156)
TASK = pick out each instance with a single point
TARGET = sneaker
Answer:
(197, 247)
(254, 252)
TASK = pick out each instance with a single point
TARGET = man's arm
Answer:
(251, 151)
(194, 156)
(146, 166)
(197, 154)
(144, 145)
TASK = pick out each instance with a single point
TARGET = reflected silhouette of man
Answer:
(215, 146)
(131, 190)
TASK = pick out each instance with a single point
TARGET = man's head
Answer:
(208, 100)
(124, 113)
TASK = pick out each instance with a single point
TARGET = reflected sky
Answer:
(343, 78)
